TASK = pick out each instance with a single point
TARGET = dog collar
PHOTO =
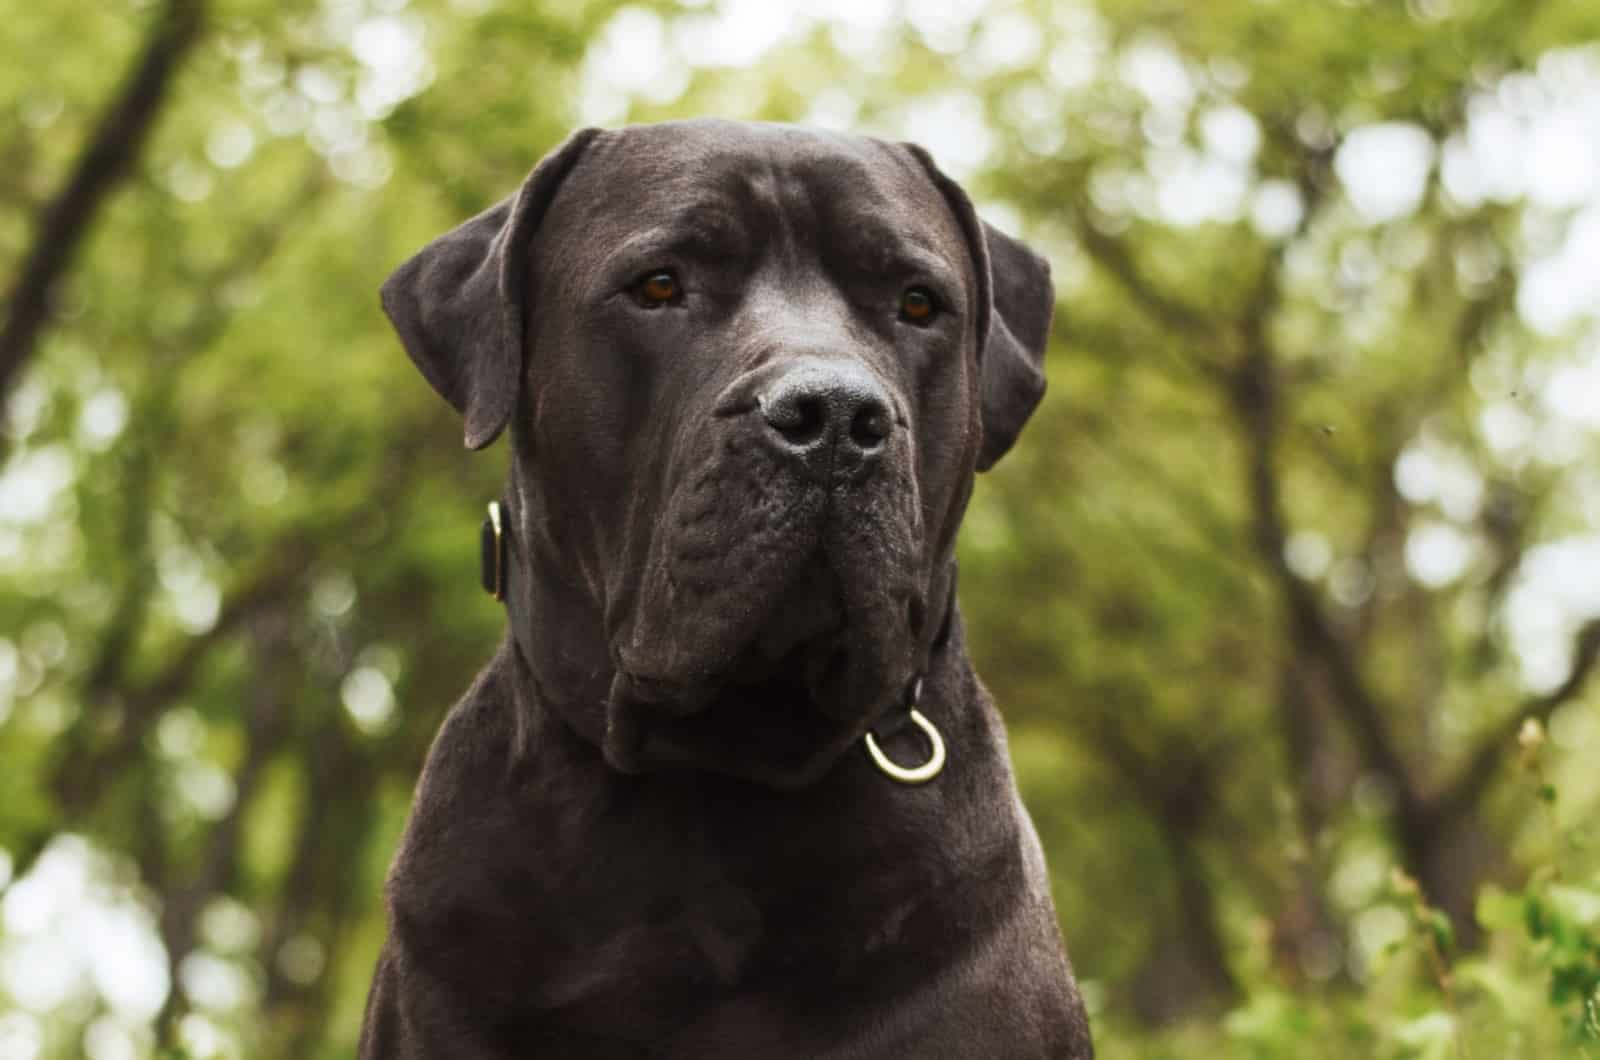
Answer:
(495, 572)
(934, 764)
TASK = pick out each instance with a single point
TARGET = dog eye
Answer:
(656, 289)
(918, 305)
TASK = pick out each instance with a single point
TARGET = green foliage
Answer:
(1273, 754)
(1532, 989)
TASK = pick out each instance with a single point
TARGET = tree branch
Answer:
(1254, 398)
(265, 731)
(1469, 785)
(81, 775)
(1178, 791)
(319, 893)
(105, 162)
(1112, 255)
(108, 673)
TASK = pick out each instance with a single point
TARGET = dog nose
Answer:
(828, 417)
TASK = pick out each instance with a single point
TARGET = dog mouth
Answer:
(779, 713)
(802, 642)
(763, 722)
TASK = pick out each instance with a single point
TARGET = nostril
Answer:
(800, 418)
(870, 426)
(816, 407)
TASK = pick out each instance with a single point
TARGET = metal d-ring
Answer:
(915, 774)
(492, 553)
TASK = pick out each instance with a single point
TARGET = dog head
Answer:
(749, 371)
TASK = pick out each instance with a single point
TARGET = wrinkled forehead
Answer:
(756, 180)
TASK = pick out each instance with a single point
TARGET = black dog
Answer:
(695, 806)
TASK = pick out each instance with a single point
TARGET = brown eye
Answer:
(917, 305)
(657, 289)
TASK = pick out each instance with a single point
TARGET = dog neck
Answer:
(505, 559)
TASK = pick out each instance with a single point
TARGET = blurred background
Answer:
(1291, 592)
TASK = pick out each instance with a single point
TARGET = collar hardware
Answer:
(920, 774)
(492, 553)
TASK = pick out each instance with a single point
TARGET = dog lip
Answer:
(785, 746)
(757, 661)
(652, 689)
(673, 697)
(735, 405)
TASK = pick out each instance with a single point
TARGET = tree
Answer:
(1260, 591)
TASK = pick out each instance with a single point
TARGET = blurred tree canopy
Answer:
(1306, 533)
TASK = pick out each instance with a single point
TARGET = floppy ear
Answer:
(1015, 300)
(460, 303)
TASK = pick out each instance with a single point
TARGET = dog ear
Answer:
(459, 305)
(1019, 330)
(1015, 302)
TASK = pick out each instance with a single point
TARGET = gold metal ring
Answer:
(916, 774)
(499, 590)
